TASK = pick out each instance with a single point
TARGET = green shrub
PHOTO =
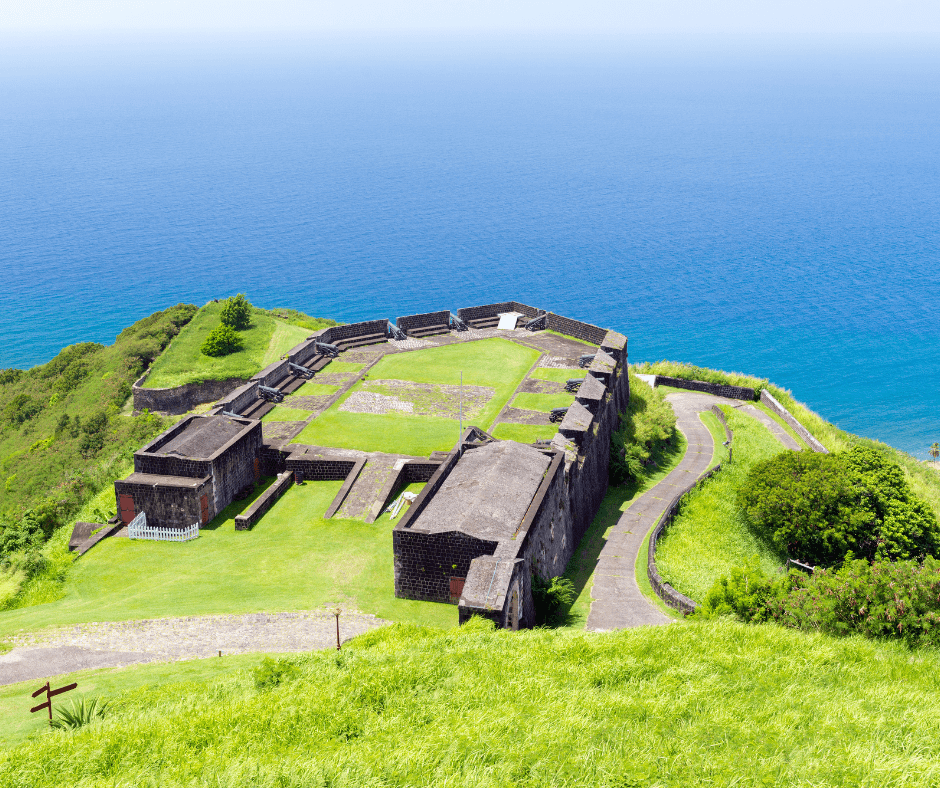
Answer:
(82, 712)
(744, 594)
(20, 409)
(236, 313)
(648, 426)
(552, 600)
(222, 341)
(819, 507)
(270, 673)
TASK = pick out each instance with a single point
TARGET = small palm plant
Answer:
(934, 450)
(82, 712)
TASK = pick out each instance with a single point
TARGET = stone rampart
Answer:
(718, 389)
(492, 310)
(411, 322)
(575, 328)
(181, 399)
(335, 334)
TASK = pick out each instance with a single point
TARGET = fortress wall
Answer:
(575, 328)
(181, 399)
(425, 320)
(719, 390)
(319, 469)
(272, 374)
(425, 562)
(246, 520)
(240, 399)
(334, 334)
(549, 542)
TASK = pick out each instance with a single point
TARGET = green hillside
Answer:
(717, 703)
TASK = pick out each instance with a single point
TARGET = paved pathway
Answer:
(774, 426)
(617, 601)
(116, 644)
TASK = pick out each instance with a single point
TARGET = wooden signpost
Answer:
(50, 694)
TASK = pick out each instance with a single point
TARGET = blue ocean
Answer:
(771, 209)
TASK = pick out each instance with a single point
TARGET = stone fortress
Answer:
(492, 513)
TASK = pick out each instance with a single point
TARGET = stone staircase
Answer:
(363, 500)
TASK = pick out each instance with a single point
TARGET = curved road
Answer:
(616, 599)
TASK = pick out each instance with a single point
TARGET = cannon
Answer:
(586, 359)
(231, 414)
(395, 332)
(557, 414)
(269, 394)
(573, 384)
(536, 323)
(299, 371)
(325, 349)
(457, 324)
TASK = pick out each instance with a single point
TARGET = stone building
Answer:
(191, 472)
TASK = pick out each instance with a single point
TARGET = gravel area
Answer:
(556, 362)
(420, 399)
(113, 644)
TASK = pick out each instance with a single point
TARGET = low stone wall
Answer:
(770, 401)
(181, 399)
(335, 334)
(319, 469)
(492, 310)
(246, 520)
(718, 389)
(241, 399)
(425, 320)
(272, 374)
(575, 328)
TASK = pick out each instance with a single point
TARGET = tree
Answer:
(821, 507)
(935, 450)
(222, 341)
(236, 312)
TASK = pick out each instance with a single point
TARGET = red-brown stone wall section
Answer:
(424, 563)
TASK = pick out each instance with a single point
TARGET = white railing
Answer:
(138, 529)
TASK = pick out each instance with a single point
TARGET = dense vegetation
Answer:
(64, 436)
(820, 507)
(699, 704)
(647, 430)
(881, 599)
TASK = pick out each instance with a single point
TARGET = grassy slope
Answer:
(291, 560)
(710, 536)
(265, 342)
(494, 363)
(713, 703)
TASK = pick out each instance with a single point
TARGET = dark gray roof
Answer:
(487, 493)
(202, 438)
(159, 480)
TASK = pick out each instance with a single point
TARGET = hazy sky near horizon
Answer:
(838, 18)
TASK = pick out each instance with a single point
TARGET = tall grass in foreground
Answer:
(710, 536)
(713, 703)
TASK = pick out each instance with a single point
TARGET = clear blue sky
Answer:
(838, 18)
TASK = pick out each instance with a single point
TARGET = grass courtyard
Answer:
(493, 368)
(293, 559)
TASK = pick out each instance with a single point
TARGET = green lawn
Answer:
(291, 560)
(341, 368)
(311, 389)
(492, 363)
(557, 375)
(702, 704)
(542, 402)
(710, 535)
(523, 433)
(183, 362)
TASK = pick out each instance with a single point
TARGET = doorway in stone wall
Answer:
(456, 589)
(128, 512)
(204, 504)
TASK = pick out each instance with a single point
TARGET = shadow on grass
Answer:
(235, 508)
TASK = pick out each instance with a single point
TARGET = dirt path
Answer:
(117, 644)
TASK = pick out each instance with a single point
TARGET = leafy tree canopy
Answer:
(236, 313)
(222, 341)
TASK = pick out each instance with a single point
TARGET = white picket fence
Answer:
(138, 529)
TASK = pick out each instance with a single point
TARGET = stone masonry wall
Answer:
(425, 320)
(167, 506)
(353, 330)
(425, 563)
(719, 390)
(234, 468)
(318, 469)
(575, 328)
(181, 399)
